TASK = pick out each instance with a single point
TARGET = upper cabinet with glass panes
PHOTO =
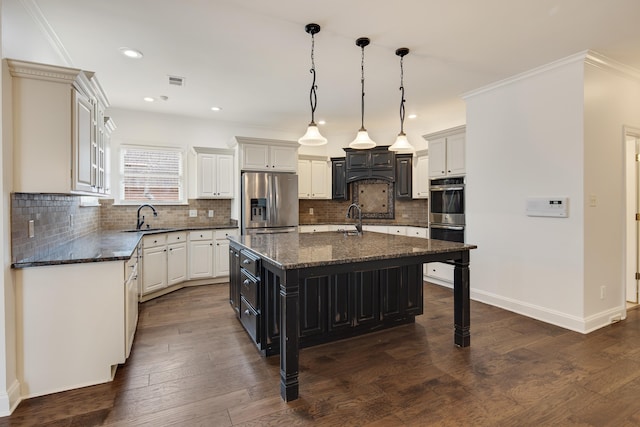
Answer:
(59, 131)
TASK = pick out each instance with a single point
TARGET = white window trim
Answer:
(183, 176)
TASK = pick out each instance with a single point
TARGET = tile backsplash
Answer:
(57, 219)
(123, 217)
(407, 212)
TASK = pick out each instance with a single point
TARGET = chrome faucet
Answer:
(139, 221)
(359, 223)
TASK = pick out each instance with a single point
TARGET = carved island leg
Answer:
(461, 302)
(289, 352)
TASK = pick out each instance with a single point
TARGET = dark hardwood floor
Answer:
(193, 365)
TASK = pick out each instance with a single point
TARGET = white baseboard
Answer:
(10, 400)
(563, 320)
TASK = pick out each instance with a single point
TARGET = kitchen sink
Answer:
(147, 230)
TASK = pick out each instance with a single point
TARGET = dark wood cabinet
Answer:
(376, 163)
(331, 306)
(404, 172)
(234, 279)
(339, 186)
(398, 294)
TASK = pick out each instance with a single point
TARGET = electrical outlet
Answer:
(210, 213)
(593, 200)
(602, 291)
(193, 213)
(31, 229)
(310, 211)
(71, 221)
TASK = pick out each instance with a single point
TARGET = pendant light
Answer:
(402, 144)
(362, 141)
(312, 137)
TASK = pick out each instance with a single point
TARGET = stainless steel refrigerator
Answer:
(269, 202)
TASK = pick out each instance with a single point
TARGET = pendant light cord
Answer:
(362, 98)
(401, 96)
(313, 97)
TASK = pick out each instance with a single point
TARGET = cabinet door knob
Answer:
(246, 281)
(247, 312)
(246, 261)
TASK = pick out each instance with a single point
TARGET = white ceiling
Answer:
(252, 57)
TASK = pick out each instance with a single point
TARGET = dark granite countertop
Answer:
(103, 246)
(350, 222)
(300, 250)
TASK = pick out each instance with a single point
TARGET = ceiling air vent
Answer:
(176, 80)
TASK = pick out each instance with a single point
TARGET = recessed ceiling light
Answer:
(131, 53)
(216, 109)
(149, 99)
(413, 116)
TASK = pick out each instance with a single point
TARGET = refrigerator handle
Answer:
(271, 212)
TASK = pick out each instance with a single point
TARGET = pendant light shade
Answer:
(313, 136)
(402, 144)
(362, 141)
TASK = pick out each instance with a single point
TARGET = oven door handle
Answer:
(448, 227)
(445, 188)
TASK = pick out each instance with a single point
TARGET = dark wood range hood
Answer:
(375, 163)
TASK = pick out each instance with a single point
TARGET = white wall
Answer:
(9, 385)
(612, 100)
(526, 137)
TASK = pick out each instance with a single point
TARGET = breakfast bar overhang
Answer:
(290, 259)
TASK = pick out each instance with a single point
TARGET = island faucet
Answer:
(139, 221)
(359, 223)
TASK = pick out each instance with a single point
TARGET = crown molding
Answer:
(36, 14)
(587, 57)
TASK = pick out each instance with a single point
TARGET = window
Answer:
(151, 174)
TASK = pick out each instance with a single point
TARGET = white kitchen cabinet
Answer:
(421, 175)
(441, 272)
(397, 229)
(268, 155)
(376, 228)
(447, 153)
(164, 260)
(154, 269)
(313, 228)
(313, 178)
(417, 232)
(200, 254)
(131, 301)
(55, 127)
(209, 253)
(177, 261)
(221, 252)
(71, 320)
(214, 173)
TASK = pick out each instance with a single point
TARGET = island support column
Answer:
(461, 301)
(289, 352)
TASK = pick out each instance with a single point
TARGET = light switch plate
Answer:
(210, 213)
(193, 213)
(31, 228)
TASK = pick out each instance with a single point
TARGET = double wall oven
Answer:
(446, 209)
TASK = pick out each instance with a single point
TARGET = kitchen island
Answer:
(294, 290)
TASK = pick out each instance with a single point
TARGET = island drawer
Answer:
(250, 262)
(249, 288)
(249, 318)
